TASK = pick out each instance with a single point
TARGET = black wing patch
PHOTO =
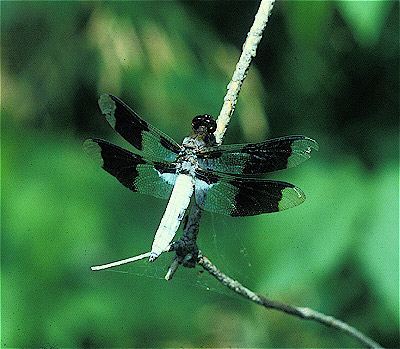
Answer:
(238, 196)
(136, 131)
(256, 158)
(132, 170)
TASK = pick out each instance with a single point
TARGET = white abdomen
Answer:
(177, 205)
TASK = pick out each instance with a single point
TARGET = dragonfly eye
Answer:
(205, 121)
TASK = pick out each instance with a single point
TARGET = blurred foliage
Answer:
(328, 70)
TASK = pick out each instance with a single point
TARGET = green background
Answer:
(327, 70)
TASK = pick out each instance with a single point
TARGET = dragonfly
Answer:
(222, 179)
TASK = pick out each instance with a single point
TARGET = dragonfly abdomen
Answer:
(177, 205)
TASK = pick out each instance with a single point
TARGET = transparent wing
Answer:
(132, 170)
(256, 158)
(237, 196)
(136, 131)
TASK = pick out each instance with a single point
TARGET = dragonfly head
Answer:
(204, 127)
(204, 124)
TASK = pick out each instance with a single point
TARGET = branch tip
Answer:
(123, 261)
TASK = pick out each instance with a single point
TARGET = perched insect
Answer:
(216, 175)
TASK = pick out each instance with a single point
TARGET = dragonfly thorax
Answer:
(193, 143)
(187, 162)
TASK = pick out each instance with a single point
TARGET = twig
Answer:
(172, 269)
(249, 51)
(186, 249)
(123, 261)
(303, 313)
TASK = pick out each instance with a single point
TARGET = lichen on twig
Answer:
(249, 51)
